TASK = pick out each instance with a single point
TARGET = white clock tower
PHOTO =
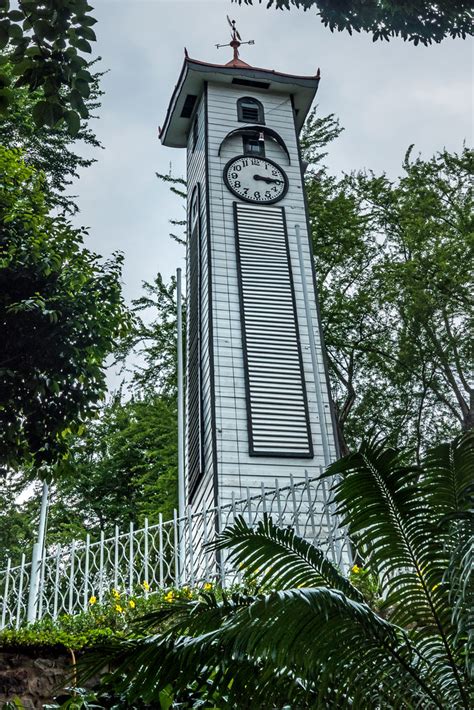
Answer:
(257, 398)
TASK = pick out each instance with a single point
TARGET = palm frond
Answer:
(459, 579)
(448, 480)
(281, 558)
(307, 646)
(381, 499)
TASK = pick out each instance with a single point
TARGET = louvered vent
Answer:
(194, 397)
(276, 393)
(250, 114)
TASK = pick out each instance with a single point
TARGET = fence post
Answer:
(328, 520)
(249, 507)
(205, 540)
(86, 573)
(5, 595)
(278, 499)
(56, 583)
(101, 567)
(295, 506)
(145, 557)
(116, 557)
(221, 552)
(264, 500)
(310, 503)
(34, 584)
(71, 577)
(176, 547)
(190, 546)
(160, 545)
(130, 561)
(36, 558)
(20, 591)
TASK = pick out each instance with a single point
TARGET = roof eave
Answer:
(308, 84)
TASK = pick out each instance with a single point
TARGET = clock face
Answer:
(255, 179)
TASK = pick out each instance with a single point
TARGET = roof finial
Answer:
(235, 43)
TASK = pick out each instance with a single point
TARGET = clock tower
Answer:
(257, 398)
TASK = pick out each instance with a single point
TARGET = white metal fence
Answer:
(168, 553)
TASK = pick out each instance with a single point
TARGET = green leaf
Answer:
(47, 113)
(16, 16)
(82, 87)
(82, 44)
(87, 33)
(15, 32)
(4, 36)
(73, 122)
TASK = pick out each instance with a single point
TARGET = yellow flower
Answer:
(115, 593)
(118, 608)
(146, 586)
(92, 600)
(169, 597)
(131, 604)
(207, 586)
(356, 569)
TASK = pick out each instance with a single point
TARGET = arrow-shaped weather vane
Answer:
(236, 39)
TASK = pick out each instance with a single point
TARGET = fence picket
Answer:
(5, 593)
(172, 552)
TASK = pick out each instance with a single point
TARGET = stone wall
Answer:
(34, 676)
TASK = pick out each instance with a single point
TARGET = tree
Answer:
(124, 470)
(417, 21)
(124, 464)
(311, 637)
(44, 41)
(394, 307)
(61, 312)
(51, 150)
(16, 519)
(154, 341)
(427, 220)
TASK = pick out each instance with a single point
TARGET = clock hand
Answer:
(265, 179)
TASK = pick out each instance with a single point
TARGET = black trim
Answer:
(249, 82)
(246, 199)
(252, 452)
(259, 116)
(195, 434)
(254, 132)
(316, 293)
(210, 320)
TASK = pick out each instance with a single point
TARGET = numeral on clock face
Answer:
(256, 179)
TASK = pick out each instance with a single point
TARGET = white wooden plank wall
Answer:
(236, 469)
(196, 173)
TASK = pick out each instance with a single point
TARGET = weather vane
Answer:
(236, 40)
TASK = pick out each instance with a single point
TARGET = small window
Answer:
(195, 132)
(250, 111)
(253, 146)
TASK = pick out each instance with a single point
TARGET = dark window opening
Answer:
(194, 375)
(195, 132)
(250, 111)
(250, 82)
(188, 106)
(253, 146)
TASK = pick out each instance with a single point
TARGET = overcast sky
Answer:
(386, 95)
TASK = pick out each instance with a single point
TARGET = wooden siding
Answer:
(236, 468)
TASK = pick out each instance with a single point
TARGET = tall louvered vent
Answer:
(276, 394)
(194, 405)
